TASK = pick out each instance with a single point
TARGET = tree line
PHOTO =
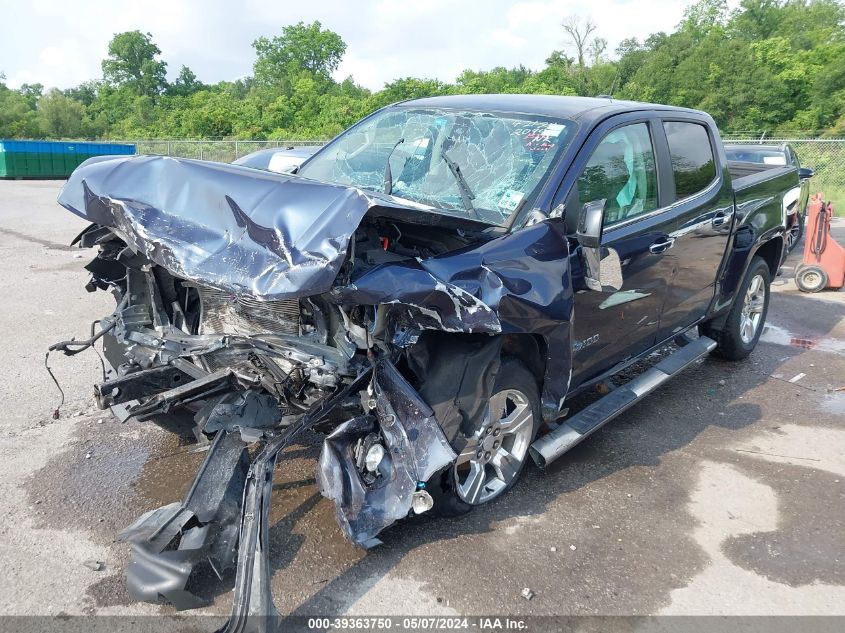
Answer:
(769, 65)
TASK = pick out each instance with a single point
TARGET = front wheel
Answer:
(491, 458)
(738, 336)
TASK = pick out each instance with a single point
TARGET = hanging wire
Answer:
(71, 348)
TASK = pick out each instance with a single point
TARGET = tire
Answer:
(738, 336)
(811, 278)
(482, 455)
(795, 232)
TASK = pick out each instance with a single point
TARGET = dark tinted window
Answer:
(621, 171)
(692, 157)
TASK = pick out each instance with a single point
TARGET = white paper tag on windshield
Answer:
(510, 200)
(553, 129)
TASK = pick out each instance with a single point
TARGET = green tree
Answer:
(703, 16)
(756, 19)
(32, 93)
(60, 116)
(408, 88)
(210, 115)
(300, 47)
(186, 83)
(132, 64)
(631, 56)
(497, 80)
(85, 93)
(556, 78)
(17, 116)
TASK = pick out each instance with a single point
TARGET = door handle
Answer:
(721, 218)
(662, 245)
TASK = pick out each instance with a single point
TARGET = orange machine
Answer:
(824, 258)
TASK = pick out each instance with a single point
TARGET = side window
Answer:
(692, 157)
(621, 171)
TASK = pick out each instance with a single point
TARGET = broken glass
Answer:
(503, 158)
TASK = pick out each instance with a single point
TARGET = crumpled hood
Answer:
(271, 236)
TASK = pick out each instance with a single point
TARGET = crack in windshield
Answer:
(501, 159)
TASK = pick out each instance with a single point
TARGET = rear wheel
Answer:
(491, 458)
(738, 336)
(811, 278)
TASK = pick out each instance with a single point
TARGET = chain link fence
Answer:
(220, 151)
(825, 156)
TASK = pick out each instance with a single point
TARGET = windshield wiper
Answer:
(467, 196)
(388, 175)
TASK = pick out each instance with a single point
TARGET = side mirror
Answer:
(588, 232)
(602, 267)
(804, 173)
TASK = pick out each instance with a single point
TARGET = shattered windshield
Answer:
(470, 164)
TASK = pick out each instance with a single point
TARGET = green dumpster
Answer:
(52, 159)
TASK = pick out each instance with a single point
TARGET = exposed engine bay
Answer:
(294, 351)
(252, 306)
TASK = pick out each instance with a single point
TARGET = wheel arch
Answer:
(531, 350)
(771, 252)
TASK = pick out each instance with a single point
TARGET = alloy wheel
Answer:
(752, 309)
(493, 455)
(792, 235)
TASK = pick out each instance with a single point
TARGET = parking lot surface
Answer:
(721, 493)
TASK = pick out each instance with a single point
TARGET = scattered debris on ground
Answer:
(94, 565)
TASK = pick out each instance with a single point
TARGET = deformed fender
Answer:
(517, 283)
(416, 450)
(433, 303)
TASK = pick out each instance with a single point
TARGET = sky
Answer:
(60, 43)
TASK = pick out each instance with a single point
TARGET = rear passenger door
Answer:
(702, 211)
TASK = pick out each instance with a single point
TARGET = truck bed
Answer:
(747, 175)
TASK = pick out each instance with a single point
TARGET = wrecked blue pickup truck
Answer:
(427, 290)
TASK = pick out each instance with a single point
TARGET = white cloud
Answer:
(52, 56)
(508, 38)
(61, 43)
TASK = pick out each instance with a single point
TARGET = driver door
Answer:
(620, 319)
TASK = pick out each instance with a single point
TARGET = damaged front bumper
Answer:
(222, 521)
(252, 394)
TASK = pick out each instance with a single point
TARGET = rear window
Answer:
(755, 155)
(692, 157)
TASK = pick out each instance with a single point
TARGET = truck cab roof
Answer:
(584, 109)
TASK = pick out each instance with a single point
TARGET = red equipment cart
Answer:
(824, 259)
